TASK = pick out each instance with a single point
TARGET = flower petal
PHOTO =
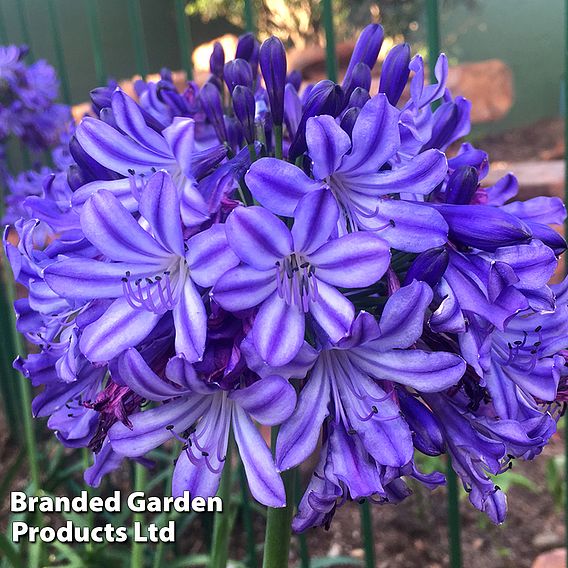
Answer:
(209, 256)
(113, 230)
(243, 287)
(119, 328)
(198, 479)
(315, 218)
(190, 322)
(408, 226)
(159, 205)
(269, 401)
(84, 278)
(136, 374)
(402, 319)
(180, 136)
(263, 479)
(333, 311)
(120, 188)
(420, 176)
(298, 436)
(352, 261)
(129, 118)
(115, 151)
(258, 237)
(375, 137)
(278, 331)
(278, 185)
(421, 370)
(150, 428)
(327, 144)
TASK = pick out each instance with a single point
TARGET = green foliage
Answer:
(555, 479)
(299, 22)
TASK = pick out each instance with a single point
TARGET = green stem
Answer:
(279, 522)
(252, 153)
(222, 526)
(137, 550)
(90, 518)
(247, 519)
(278, 141)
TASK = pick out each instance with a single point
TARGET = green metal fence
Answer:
(185, 44)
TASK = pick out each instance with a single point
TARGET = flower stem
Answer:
(137, 551)
(222, 526)
(279, 523)
(278, 141)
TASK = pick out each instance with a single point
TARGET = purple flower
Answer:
(352, 383)
(351, 169)
(289, 273)
(209, 413)
(150, 273)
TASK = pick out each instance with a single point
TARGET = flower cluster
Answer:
(27, 101)
(248, 254)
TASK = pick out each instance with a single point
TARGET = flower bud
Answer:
(360, 78)
(358, 98)
(273, 67)
(483, 227)
(217, 60)
(248, 49)
(295, 79)
(426, 433)
(394, 73)
(212, 107)
(244, 106)
(238, 72)
(348, 119)
(462, 186)
(429, 266)
(366, 50)
(325, 98)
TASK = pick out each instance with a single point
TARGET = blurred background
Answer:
(507, 57)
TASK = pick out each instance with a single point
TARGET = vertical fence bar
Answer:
(3, 31)
(433, 31)
(137, 30)
(96, 42)
(249, 16)
(23, 21)
(330, 61)
(59, 55)
(185, 40)
(454, 526)
(367, 533)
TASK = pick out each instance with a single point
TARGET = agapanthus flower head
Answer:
(242, 254)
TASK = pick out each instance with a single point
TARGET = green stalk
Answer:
(86, 454)
(137, 550)
(278, 141)
(222, 526)
(279, 523)
(252, 153)
(247, 519)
